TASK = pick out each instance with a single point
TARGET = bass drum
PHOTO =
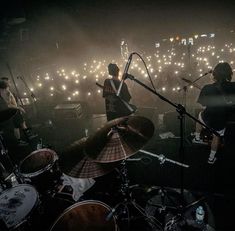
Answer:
(18, 207)
(88, 215)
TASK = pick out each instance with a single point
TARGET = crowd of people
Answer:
(171, 70)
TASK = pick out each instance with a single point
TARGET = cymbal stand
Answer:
(5, 155)
(122, 207)
(162, 208)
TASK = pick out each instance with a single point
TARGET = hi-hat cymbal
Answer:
(119, 139)
(75, 163)
(6, 114)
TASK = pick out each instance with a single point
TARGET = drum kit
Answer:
(39, 174)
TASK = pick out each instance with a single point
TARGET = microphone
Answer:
(124, 74)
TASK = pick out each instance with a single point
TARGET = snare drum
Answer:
(17, 206)
(41, 169)
(88, 215)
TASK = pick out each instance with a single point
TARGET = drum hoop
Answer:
(80, 203)
(33, 174)
(37, 202)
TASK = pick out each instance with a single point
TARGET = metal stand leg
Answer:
(122, 208)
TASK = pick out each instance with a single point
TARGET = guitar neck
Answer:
(99, 85)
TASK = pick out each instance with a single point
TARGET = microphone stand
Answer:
(13, 81)
(182, 112)
(31, 94)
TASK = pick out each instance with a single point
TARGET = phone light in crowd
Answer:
(88, 93)
(163, 89)
(31, 89)
(52, 88)
(99, 91)
(64, 87)
(69, 98)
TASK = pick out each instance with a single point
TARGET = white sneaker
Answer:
(211, 160)
(198, 141)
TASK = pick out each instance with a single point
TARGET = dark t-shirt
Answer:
(114, 106)
(219, 101)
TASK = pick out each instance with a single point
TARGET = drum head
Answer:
(37, 161)
(86, 216)
(16, 204)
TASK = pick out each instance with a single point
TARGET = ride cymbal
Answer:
(119, 139)
(75, 163)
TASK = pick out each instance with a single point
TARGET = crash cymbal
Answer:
(119, 139)
(75, 163)
(6, 114)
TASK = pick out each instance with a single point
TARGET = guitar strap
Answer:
(125, 103)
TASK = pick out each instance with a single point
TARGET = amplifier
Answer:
(68, 111)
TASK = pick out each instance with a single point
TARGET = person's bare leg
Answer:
(24, 126)
(214, 147)
(17, 133)
(198, 131)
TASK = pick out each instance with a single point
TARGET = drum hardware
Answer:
(86, 215)
(40, 168)
(4, 172)
(123, 208)
(18, 206)
(162, 159)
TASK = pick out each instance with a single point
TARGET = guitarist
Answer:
(218, 100)
(116, 106)
(10, 101)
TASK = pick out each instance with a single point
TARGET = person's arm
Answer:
(12, 102)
